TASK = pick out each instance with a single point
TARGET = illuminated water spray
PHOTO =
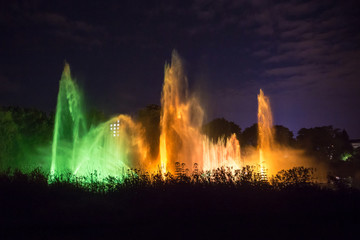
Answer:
(109, 148)
(116, 146)
(70, 123)
(182, 117)
(180, 121)
(265, 130)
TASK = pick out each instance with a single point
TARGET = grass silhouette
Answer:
(216, 204)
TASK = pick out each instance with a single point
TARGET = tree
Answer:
(149, 117)
(95, 117)
(22, 132)
(284, 136)
(325, 143)
(249, 136)
(221, 128)
(9, 136)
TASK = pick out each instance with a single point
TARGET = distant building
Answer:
(114, 128)
(355, 143)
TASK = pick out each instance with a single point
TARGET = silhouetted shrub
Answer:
(246, 177)
(299, 176)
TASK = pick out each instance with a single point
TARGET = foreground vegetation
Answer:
(95, 183)
(215, 205)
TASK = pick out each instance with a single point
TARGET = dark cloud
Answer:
(310, 43)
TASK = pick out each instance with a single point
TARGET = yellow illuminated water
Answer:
(265, 130)
(119, 145)
(182, 117)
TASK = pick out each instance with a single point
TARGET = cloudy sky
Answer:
(305, 55)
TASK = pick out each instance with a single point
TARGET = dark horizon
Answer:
(304, 55)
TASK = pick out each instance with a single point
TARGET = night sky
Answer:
(305, 55)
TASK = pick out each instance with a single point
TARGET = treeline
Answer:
(324, 143)
(26, 136)
(22, 133)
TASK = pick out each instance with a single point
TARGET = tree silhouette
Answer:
(284, 136)
(22, 132)
(325, 143)
(249, 136)
(221, 128)
(149, 117)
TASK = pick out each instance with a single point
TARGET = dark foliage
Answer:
(149, 117)
(213, 205)
(247, 176)
(249, 136)
(297, 176)
(221, 128)
(324, 143)
(284, 136)
(22, 132)
(95, 117)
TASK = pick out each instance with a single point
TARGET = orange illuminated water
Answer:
(266, 135)
(181, 141)
(121, 143)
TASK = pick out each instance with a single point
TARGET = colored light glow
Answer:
(265, 131)
(181, 120)
(83, 150)
(345, 156)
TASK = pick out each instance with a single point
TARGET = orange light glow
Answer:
(182, 117)
(266, 136)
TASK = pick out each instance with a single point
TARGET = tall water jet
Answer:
(182, 117)
(265, 130)
(70, 123)
(108, 148)
(180, 121)
(272, 156)
(115, 146)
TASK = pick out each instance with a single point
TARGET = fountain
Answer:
(181, 140)
(115, 146)
(109, 148)
(119, 144)
(266, 135)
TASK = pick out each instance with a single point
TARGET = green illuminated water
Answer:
(81, 149)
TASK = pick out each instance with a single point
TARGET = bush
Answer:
(299, 176)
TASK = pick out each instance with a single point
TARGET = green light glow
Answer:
(80, 149)
(345, 156)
